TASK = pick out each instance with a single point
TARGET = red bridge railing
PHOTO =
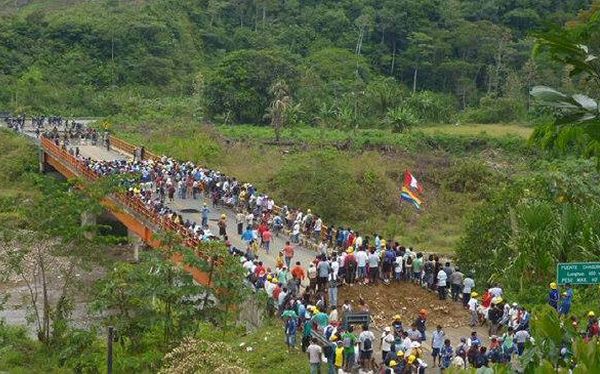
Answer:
(147, 215)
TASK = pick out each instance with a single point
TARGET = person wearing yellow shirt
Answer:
(339, 355)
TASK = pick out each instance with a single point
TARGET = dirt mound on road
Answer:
(406, 299)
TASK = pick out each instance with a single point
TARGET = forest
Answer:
(493, 105)
(346, 64)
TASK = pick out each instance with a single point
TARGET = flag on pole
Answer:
(408, 195)
(409, 190)
(411, 182)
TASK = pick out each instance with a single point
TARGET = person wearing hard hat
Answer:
(553, 296)
(592, 326)
(397, 324)
(411, 364)
(565, 301)
(473, 305)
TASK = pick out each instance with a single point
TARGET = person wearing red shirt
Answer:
(299, 274)
(350, 266)
(277, 291)
(266, 239)
(288, 252)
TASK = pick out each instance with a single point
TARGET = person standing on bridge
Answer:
(223, 226)
(205, 213)
(266, 239)
(288, 252)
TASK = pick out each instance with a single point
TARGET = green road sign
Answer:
(578, 273)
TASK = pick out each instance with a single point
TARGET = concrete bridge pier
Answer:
(89, 219)
(138, 244)
(43, 165)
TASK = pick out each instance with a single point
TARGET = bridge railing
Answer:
(78, 167)
(129, 148)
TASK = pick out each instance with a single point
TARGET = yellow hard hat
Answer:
(591, 314)
(393, 363)
(553, 285)
(383, 242)
(474, 294)
(400, 354)
(499, 300)
(411, 359)
(269, 277)
(397, 316)
(275, 280)
(350, 250)
(223, 216)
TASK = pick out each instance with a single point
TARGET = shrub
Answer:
(495, 110)
(401, 119)
(431, 106)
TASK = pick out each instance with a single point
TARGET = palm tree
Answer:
(279, 106)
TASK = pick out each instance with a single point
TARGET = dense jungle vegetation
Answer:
(357, 91)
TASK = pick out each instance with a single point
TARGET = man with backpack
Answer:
(366, 339)
(348, 341)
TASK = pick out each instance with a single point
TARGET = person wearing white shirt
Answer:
(442, 277)
(468, 285)
(496, 291)
(387, 338)
(398, 268)
(361, 261)
(473, 304)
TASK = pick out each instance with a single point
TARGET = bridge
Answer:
(142, 223)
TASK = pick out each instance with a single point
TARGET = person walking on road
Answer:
(288, 253)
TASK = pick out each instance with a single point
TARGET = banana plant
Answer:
(578, 109)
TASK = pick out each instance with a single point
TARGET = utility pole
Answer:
(109, 353)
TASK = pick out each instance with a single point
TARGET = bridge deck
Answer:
(182, 206)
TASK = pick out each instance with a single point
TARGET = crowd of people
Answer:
(305, 296)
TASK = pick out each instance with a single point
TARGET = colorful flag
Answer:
(411, 182)
(408, 195)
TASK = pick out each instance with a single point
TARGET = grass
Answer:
(492, 130)
(245, 152)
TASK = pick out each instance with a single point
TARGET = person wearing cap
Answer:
(473, 305)
(553, 296)
(592, 326)
(397, 324)
(391, 366)
(350, 265)
(411, 366)
(387, 339)
(565, 301)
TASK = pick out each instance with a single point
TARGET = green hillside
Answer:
(347, 63)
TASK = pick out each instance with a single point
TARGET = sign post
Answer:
(578, 273)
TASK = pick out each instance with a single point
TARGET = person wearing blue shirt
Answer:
(565, 305)
(291, 327)
(248, 235)
(205, 212)
(553, 296)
